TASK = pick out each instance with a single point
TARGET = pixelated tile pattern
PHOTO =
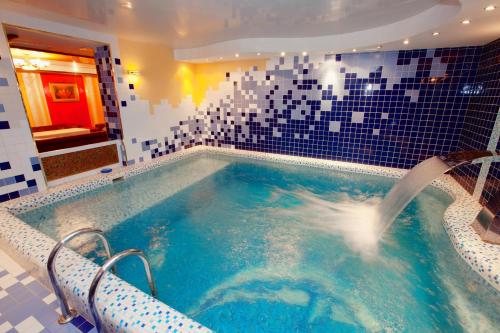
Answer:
(480, 120)
(27, 306)
(109, 95)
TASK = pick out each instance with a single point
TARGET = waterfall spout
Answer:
(419, 177)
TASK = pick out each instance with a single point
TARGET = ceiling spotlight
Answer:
(435, 33)
(466, 21)
(258, 53)
(220, 58)
(127, 4)
(379, 47)
(283, 54)
(237, 55)
(490, 8)
(354, 50)
(304, 53)
(406, 41)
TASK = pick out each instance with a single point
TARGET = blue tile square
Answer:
(5, 166)
(86, 327)
(4, 125)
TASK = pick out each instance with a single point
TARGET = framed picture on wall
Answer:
(64, 92)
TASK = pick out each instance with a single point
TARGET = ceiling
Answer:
(193, 23)
(24, 38)
(201, 30)
(29, 54)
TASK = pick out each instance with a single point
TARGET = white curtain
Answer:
(93, 99)
(34, 99)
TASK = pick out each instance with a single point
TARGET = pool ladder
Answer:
(67, 313)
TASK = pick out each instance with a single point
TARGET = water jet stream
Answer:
(419, 177)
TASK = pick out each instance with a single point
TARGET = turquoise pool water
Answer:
(240, 246)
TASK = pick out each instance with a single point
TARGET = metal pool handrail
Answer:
(67, 314)
(110, 263)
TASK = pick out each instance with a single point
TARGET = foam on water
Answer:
(354, 220)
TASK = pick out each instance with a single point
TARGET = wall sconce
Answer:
(133, 76)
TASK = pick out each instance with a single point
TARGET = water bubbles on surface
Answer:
(355, 221)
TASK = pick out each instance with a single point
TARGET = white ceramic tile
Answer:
(5, 327)
(10, 265)
(50, 299)
(29, 325)
(7, 280)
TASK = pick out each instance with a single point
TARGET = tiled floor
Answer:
(27, 306)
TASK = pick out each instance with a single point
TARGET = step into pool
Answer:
(249, 246)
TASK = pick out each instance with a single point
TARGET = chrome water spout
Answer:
(420, 176)
(459, 158)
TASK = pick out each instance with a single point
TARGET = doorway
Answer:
(59, 81)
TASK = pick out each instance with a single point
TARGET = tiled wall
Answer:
(104, 64)
(382, 108)
(480, 119)
(20, 171)
(108, 83)
(385, 108)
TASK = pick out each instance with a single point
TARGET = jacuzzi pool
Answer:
(247, 246)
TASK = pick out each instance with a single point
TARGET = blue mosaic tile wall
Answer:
(109, 95)
(104, 64)
(480, 120)
(384, 108)
(186, 134)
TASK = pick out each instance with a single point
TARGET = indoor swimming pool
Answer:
(241, 245)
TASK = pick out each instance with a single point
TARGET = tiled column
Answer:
(109, 96)
(481, 126)
(20, 172)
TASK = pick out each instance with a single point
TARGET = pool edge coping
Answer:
(76, 271)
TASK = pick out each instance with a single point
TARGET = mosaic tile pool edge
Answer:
(77, 271)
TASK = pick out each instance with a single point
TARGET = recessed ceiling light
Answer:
(127, 4)
(283, 54)
(490, 8)
(258, 53)
(237, 55)
(435, 33)
(466, 21)
(220, 58)
(304, 53)
(406, 42)
(354, 50)
(379, 47)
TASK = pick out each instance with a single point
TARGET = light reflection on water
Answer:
(260, 248)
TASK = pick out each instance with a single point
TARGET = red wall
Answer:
(67, 113)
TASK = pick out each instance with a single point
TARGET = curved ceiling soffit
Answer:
(427, 20)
